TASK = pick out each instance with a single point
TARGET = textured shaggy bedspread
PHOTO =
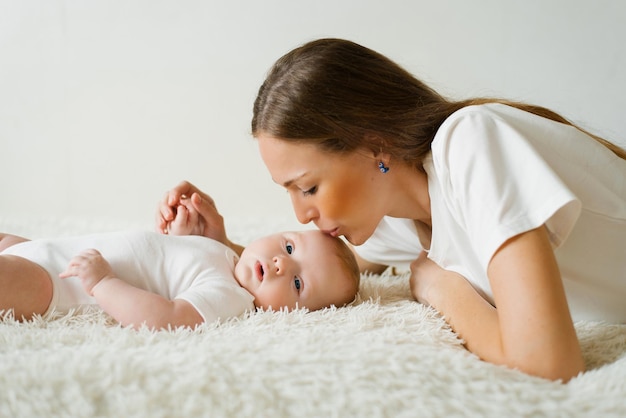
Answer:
(385, 356)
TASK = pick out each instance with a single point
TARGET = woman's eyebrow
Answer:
(288, 183)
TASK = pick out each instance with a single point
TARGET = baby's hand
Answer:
(187, 220)
(90, 267)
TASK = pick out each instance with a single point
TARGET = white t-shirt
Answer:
(495, 172)
(196, 269)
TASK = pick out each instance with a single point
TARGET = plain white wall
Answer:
(104, 105)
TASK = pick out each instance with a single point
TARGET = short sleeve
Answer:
(218, 299)
(496, 184)
(394, 243)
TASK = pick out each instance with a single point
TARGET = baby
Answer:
(142, 277)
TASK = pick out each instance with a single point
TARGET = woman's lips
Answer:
(332, 232)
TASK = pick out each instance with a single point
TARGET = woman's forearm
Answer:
(531, 329)
(537, 332)
(234, 246)
(469, 315)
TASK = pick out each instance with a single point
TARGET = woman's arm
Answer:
(127, 304)
(367, 266)
(531, 329)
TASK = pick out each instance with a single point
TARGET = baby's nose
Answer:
(280, 265)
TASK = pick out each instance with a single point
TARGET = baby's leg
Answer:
(6, 240)
(25, 287)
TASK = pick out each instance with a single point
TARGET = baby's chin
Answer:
(239, 276)
(239, 281)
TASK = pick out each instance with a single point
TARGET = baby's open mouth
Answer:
(258, 270)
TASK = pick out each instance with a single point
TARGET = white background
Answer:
(104, 105)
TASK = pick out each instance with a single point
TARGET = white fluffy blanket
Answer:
(385, 356)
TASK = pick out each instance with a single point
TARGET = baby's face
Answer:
(292, 269)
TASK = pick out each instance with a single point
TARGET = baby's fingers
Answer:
(78, 262)
(67, 273)
(72, 269)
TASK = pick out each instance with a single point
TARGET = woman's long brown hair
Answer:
(343, 96)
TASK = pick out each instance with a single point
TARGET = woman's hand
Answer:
(186, 221)
(90, 267)
(205, 220)
(428, 279)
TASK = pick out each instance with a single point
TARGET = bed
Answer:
(383, 356)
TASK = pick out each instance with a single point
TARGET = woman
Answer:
(514, 220)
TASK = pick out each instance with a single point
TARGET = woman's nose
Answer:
(305, 213)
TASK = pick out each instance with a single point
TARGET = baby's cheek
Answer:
(276, 297)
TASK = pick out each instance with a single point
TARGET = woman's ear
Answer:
(382, 160)
(378, 145)
(383, 157)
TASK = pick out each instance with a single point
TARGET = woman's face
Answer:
(341, 194)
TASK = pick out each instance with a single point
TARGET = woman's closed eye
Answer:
(310, 191)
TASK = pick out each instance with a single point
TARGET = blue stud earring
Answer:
(381, 166)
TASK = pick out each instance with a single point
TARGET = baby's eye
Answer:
(289, 248)
(298, 283)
